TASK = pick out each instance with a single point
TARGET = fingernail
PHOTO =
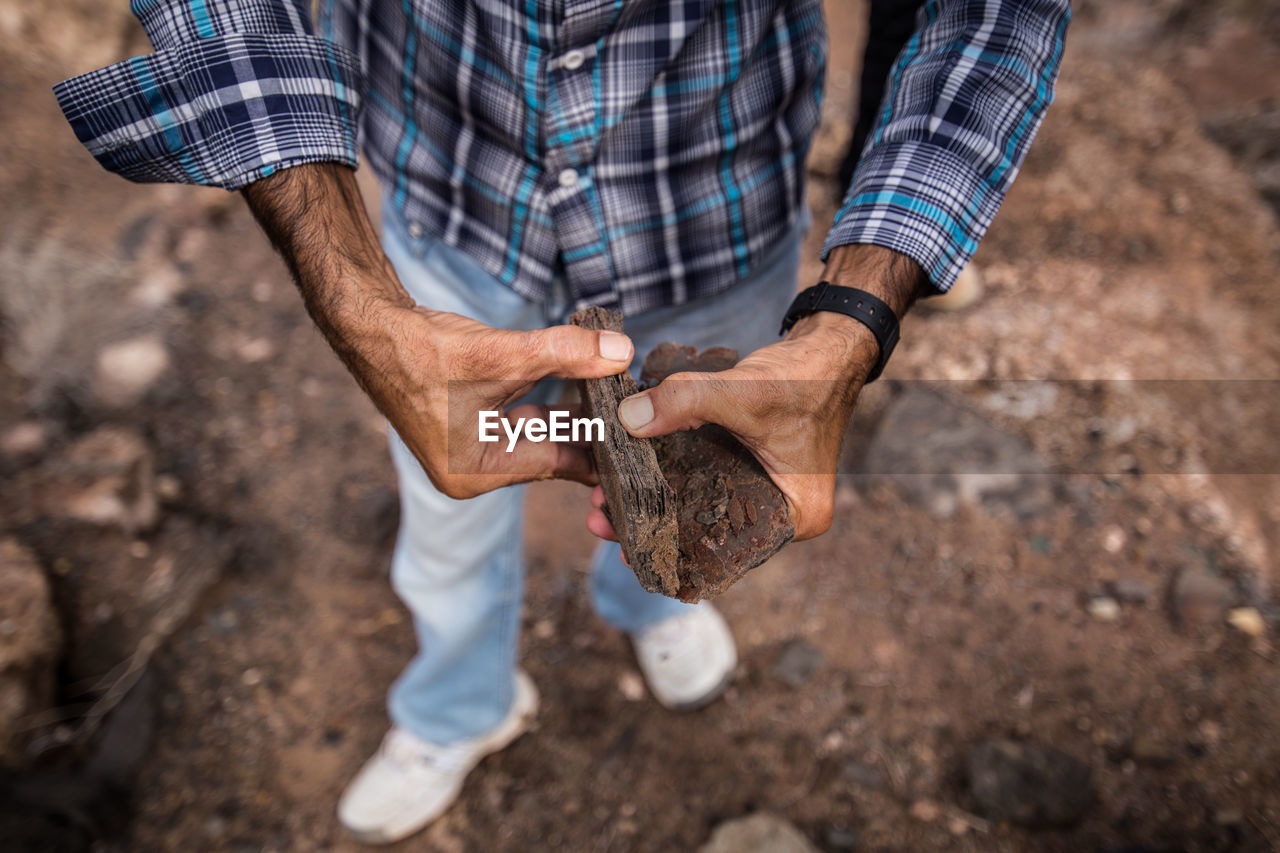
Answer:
(615, 347)
(635, 412)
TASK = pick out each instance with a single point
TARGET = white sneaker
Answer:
(687, 660)
(408, 782)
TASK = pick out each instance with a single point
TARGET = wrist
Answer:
(847, 347)
(891, 276)
(862, 285)
(364, 309)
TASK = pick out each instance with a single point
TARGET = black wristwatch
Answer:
(868, 310)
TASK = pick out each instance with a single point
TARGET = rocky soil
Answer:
(1045, 618)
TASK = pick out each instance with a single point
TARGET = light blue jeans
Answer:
(459, 565)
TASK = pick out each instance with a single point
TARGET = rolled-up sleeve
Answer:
(964, 100)
(234, 92)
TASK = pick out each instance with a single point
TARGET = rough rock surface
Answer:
(639, 502)
(30, 638)
(731, 515)
(693, 511)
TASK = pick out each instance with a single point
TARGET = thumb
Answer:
(571, 352)
(681, 401)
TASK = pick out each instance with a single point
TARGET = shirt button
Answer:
(415, 230)
(569, 178)
(573, 60)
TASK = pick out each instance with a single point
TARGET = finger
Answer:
(810, 501)
(572, 352)
(599, 524)
(681, 401)
(529, 461)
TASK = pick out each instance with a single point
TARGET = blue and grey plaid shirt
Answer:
(654, 148)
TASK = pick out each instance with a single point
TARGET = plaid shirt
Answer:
(652, 149)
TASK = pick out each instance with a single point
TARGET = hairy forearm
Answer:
(889, 275)
(315, 217)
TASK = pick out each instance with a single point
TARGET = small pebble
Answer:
(1131, 590)
(1104, 609)
(255, 350)
(925, 810)
(1200, 598)
(168, 487)
(1247, 620)
(25, 439)
(798, 663)
(631, 686)
(1228, 817)
(1152, 751)
(127, 369)
(863, 775)
(1113, 539)
(842, 838)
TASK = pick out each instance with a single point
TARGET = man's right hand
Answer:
(429, 372)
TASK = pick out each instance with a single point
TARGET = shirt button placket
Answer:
(569, 178)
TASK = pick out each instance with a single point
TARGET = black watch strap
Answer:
(868, 310)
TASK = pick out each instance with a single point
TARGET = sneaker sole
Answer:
(705, 699)
(507, 733)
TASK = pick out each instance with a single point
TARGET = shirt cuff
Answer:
(921, 200)
(222, 111)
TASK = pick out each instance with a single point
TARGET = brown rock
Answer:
(732, 517)
(694, 511)
(639, 502)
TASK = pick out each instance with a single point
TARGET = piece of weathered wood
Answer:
(731, 515)
(639, 502)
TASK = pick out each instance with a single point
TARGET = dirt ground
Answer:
(1104, 588)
